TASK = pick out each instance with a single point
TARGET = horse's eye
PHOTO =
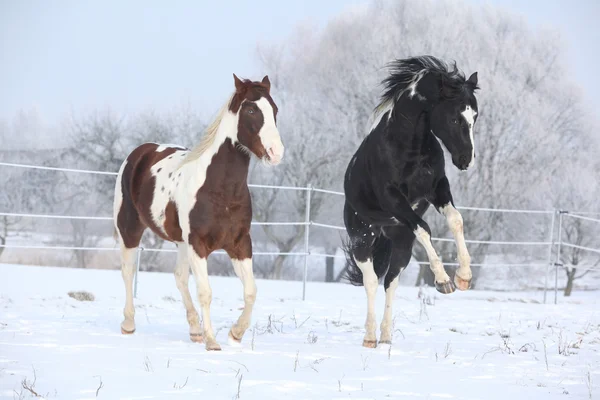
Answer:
(250, 111)
(454, 121)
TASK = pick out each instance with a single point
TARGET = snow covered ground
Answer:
(473, 345)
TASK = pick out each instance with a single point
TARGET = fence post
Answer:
(557, 263)
(137, 270)
(306, 239)
(549, 254)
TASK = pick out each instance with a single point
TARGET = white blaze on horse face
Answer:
(469, 116)
(269, 134)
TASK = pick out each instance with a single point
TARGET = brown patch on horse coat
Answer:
(137, 187)
(221, 217)
(171, 225)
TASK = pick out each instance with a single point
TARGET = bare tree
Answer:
(575, 232)
(579, 195)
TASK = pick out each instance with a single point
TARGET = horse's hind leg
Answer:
(129, 240)
(129, 229)
(402, 239)
(241, 258)
(182, 275)
(128, 272)
(361, 268)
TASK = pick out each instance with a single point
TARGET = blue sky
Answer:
(68, 55)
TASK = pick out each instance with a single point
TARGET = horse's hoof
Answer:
(371, 344)
(233, 339)
(196, 337)
(462, 284)
(213, 346)
(385, 342)
(127, 327)
(445, 287)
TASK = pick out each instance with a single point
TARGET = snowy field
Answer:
(473, 345)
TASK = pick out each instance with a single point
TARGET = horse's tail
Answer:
(381, 251)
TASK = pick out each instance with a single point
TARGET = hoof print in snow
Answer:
(82, 296)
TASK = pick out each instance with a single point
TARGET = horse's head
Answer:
(453, 117)
(256, 117)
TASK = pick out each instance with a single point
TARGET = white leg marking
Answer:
(127, 259)
(128, 271)
(455, 223)
(200, 270)
(243, 269)
(469, 116)
(434, 260)
(182, 275)
(370, 282)
(386, 323)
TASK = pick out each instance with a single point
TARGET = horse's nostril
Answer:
(462, 159)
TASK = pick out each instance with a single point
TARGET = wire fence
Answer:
(554, 245)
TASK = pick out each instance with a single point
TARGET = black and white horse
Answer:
(398, 170)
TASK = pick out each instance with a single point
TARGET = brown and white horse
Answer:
(200, 200)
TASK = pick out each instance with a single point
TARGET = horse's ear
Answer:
(473, 79)
(239, 85)
(266, 82)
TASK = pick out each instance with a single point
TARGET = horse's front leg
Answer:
(445, 205)
(197, 255)
(399, 207)
(241, 258)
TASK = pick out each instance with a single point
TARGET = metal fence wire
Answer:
(554, 244)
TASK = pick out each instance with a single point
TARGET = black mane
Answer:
(405, 73)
